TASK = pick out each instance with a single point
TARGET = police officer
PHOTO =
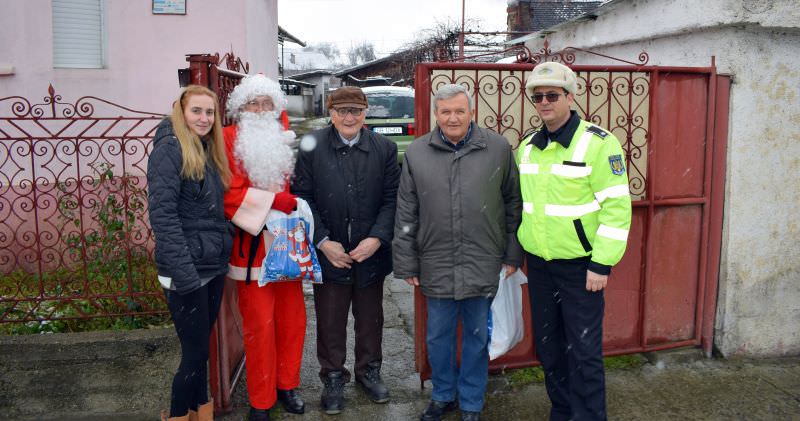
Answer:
(575, 221)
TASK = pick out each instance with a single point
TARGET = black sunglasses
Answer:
(551, 97)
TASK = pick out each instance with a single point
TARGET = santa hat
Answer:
(251, 87)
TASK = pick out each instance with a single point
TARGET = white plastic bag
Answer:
(507, 326)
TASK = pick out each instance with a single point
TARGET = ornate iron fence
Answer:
(75, 242)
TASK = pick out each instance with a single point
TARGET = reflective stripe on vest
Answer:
(526, 152)
(529, 168)
(573, 211)
(569, 171)
(612, 233)
(583, 144)
(613, 191)
(527, 207)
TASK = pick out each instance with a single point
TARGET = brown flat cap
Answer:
(347, 96)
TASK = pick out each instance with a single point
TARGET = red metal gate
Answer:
(75, 242)
(672, 123)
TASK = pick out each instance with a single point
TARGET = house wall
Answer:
(301, 105)
(144, 51)
(322, 83)
(758, 43)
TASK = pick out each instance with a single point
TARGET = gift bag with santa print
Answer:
(291, 256)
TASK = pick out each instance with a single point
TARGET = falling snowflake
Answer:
(308, 143)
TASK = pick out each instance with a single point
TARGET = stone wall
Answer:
(103, 375)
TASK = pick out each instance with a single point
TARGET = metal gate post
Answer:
(200, 67)
(717, 199)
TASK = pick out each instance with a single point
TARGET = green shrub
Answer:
(108, 277)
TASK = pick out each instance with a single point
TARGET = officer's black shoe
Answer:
(258, 414)
(436, 410)
(291, 401)
(333, 393)
(373, 385)
(470, 416)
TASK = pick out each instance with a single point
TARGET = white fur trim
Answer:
(252, 212)
(251, 87)
(240, 274)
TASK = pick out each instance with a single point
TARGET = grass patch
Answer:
(73, 300)
(526, 376)
(530, 375)
(623, 361)
(85, 325)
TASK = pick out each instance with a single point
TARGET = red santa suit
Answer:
(273, 316)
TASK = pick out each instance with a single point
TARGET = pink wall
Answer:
(143, 51)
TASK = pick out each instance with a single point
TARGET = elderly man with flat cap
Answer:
(349, 177)
(576, 213)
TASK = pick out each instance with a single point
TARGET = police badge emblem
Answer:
(617, 167)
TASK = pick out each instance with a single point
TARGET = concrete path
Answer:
(667, 386)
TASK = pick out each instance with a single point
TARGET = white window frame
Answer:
(78, 59)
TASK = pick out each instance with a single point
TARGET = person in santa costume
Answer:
(261, 159)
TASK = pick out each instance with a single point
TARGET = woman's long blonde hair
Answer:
(194, 157)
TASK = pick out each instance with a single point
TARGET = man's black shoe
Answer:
(436, 410)
(373, 385)
(258, 414)
(470, 416)
(333, 393)
(291, 401)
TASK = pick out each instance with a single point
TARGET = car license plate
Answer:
(388, 130)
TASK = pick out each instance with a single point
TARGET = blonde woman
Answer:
(187, 176)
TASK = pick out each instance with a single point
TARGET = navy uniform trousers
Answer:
(568, 333)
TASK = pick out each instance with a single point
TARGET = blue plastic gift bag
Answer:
(291, 256)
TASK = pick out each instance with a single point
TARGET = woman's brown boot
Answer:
(165, 413)
(205, 412)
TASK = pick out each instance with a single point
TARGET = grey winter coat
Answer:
(457, 215)
(193, 237)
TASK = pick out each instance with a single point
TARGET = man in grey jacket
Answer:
(458, 209)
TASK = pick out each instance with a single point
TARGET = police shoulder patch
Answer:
(617, 165)
(597, 131)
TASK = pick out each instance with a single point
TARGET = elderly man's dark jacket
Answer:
(352, 192)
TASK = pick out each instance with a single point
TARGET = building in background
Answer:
(757, 43)
(323, 81)
(127, 52)
(537, 15)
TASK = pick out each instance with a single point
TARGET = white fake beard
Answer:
(264, 150)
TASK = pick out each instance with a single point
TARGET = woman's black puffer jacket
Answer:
(193, 238)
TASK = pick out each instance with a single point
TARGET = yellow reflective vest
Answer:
(576, 201)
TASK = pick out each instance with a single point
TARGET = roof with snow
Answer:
(545, 14)
(589, 12)
(536, 15)
(300, 60)
(284, 35)
(311, 73)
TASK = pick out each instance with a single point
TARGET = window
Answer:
(78, 34)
